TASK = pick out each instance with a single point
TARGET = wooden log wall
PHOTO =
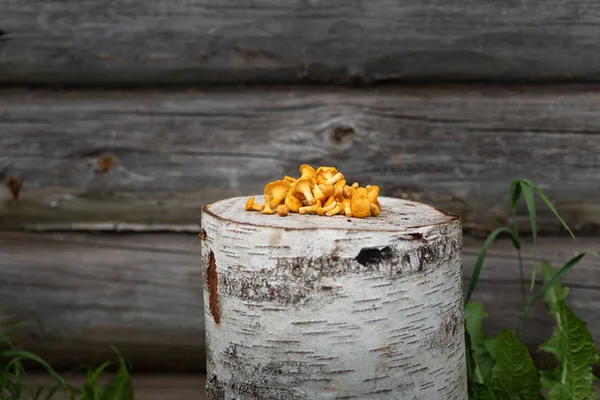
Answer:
(457, 148)
(128, 115)
(99, 42)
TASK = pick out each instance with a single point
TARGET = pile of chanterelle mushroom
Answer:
(321, 192)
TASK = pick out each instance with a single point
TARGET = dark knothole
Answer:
(373, 255)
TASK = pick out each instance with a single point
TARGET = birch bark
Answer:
(307, 307)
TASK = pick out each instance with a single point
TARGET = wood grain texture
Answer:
(454, 147)
(143, 293)
(182, 41)
(91, 292)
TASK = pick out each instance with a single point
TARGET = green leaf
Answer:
(482, 392)
(474, 316)
(530, 202)
(89, 392)
(578, 353)
(116, 388)
(549, 204)
(549, 379)
(556, 292)
(552, 345)
(470, 364)
(91, 389)
(490, 346)
(514, 376)
(559, 392)
(556, 277)
(488, 242)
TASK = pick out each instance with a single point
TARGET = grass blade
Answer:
(562, 272)
(37, 393)
(37, 359)
(52, 392)
(488, 242)
(515, 194)
(530, 202)
(549, 204)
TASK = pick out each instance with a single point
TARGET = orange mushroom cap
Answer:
(277, 191)
(282, 210)
(326, 173)
(307, 171)
(302, 189)
(293, 203)
(373, 193)
(360, 206)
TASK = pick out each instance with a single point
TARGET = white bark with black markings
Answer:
(308, 307)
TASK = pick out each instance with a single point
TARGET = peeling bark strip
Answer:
(213, 287)
(317, 308)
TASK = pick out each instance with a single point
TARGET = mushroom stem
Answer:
(252, 206)
(308, 196)
(375, 211)
(318, 194)
(347, 207)
(336, 210)
(331, 206)
(347, 192)
(339, 190)
(328, 190)
(336, 178)
(316, 208)
(329, 201)
(267, 209)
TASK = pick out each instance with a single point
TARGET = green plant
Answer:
(502, 368)
(13, 382)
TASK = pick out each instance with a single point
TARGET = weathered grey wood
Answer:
(181, 41)
(454, 147)
(91, 292)
(143, 293)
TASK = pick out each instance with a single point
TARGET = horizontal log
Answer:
(143, 293)
(91, 292)
(170, 152)
(187, 42)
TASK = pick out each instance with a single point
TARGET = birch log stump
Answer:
(306, 307)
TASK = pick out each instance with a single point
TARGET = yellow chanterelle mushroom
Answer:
(323, 191)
